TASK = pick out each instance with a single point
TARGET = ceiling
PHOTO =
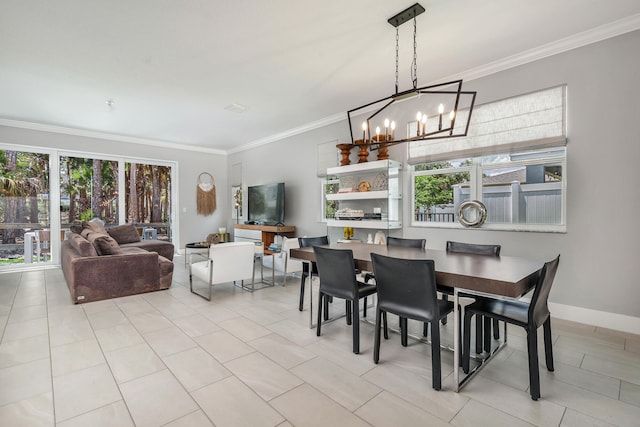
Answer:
(173, 68)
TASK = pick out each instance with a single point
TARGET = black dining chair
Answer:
(338, 279)
(406, 243)
(477, 249)
(528, 315)
(307, 242)
(407, 288)
(399, 241)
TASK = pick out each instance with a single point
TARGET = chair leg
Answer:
(445, 297)
(496, 329)
(548, 347)
(302, 280)
(534, 373)
(425, 329)
(479, 340)
(327, 298)
(403, 332)
(347, 308)
(364, 309)
(466, 348)
(435, 359)
(319, 324)
(356, 325)
(386, 330)
(376, 342)
(487, 334)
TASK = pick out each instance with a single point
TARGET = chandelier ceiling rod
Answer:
(378, 129)
(409, 13)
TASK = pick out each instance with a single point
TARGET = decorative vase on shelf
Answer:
(380, 239)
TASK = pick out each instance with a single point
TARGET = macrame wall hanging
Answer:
(206, 201)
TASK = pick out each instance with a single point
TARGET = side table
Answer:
(194, 247)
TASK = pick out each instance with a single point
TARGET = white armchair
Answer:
(282, 261)
(226, 262)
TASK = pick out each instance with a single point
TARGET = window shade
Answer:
(533, 120)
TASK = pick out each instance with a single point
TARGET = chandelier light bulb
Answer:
(441, 109)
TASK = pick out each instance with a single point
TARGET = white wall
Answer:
(191, 226)
(599, 251)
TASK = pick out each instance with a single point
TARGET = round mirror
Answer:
(472, 213)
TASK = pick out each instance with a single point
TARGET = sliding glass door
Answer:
(43, 193)
(88, 189)
(24, 208)
(148, 198)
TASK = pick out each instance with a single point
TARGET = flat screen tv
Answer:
(266, 204)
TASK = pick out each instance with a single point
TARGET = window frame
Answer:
(476, 170)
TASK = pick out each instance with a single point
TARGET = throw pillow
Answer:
(103, 243)
(81, 245)
(94, 226)
(124, 234)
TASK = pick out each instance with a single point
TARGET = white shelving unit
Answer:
(385, 179)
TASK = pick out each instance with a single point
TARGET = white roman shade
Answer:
(533, 120)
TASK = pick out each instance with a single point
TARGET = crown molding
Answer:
(105, 135)
(335, 118)
(594, 35)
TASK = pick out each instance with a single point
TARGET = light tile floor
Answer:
(170, 358)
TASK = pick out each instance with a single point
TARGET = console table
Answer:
(264, 233)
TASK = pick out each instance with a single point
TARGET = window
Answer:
(522, 191)
(512, 159)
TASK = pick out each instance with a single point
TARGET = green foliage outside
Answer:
(331, 205)
(437, 189)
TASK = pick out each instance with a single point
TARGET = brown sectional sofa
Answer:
(100, 264)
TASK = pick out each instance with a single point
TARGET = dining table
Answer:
(466, 274)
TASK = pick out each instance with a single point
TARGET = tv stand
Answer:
(267, 234)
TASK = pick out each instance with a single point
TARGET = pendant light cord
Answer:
(414, 75)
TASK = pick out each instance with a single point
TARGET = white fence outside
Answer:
(511, 204)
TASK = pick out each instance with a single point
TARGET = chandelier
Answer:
(421, 113)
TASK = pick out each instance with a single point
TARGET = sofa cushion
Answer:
(94, 226)
(82, 245)
(124, 234)
(104, 244)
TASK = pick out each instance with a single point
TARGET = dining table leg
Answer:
(310, 292)
(456, 339)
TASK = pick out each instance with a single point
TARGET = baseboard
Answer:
(618, 322)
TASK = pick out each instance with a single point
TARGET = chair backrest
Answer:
(538, 308)
(44, 238)
(232, 261)
(406, 287)
(290, 264)
(337, 272)
(407, 243)
(306, 242)
(473, 248)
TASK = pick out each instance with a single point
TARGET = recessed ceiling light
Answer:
(236, 108)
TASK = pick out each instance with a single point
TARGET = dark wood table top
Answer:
(504, 276)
